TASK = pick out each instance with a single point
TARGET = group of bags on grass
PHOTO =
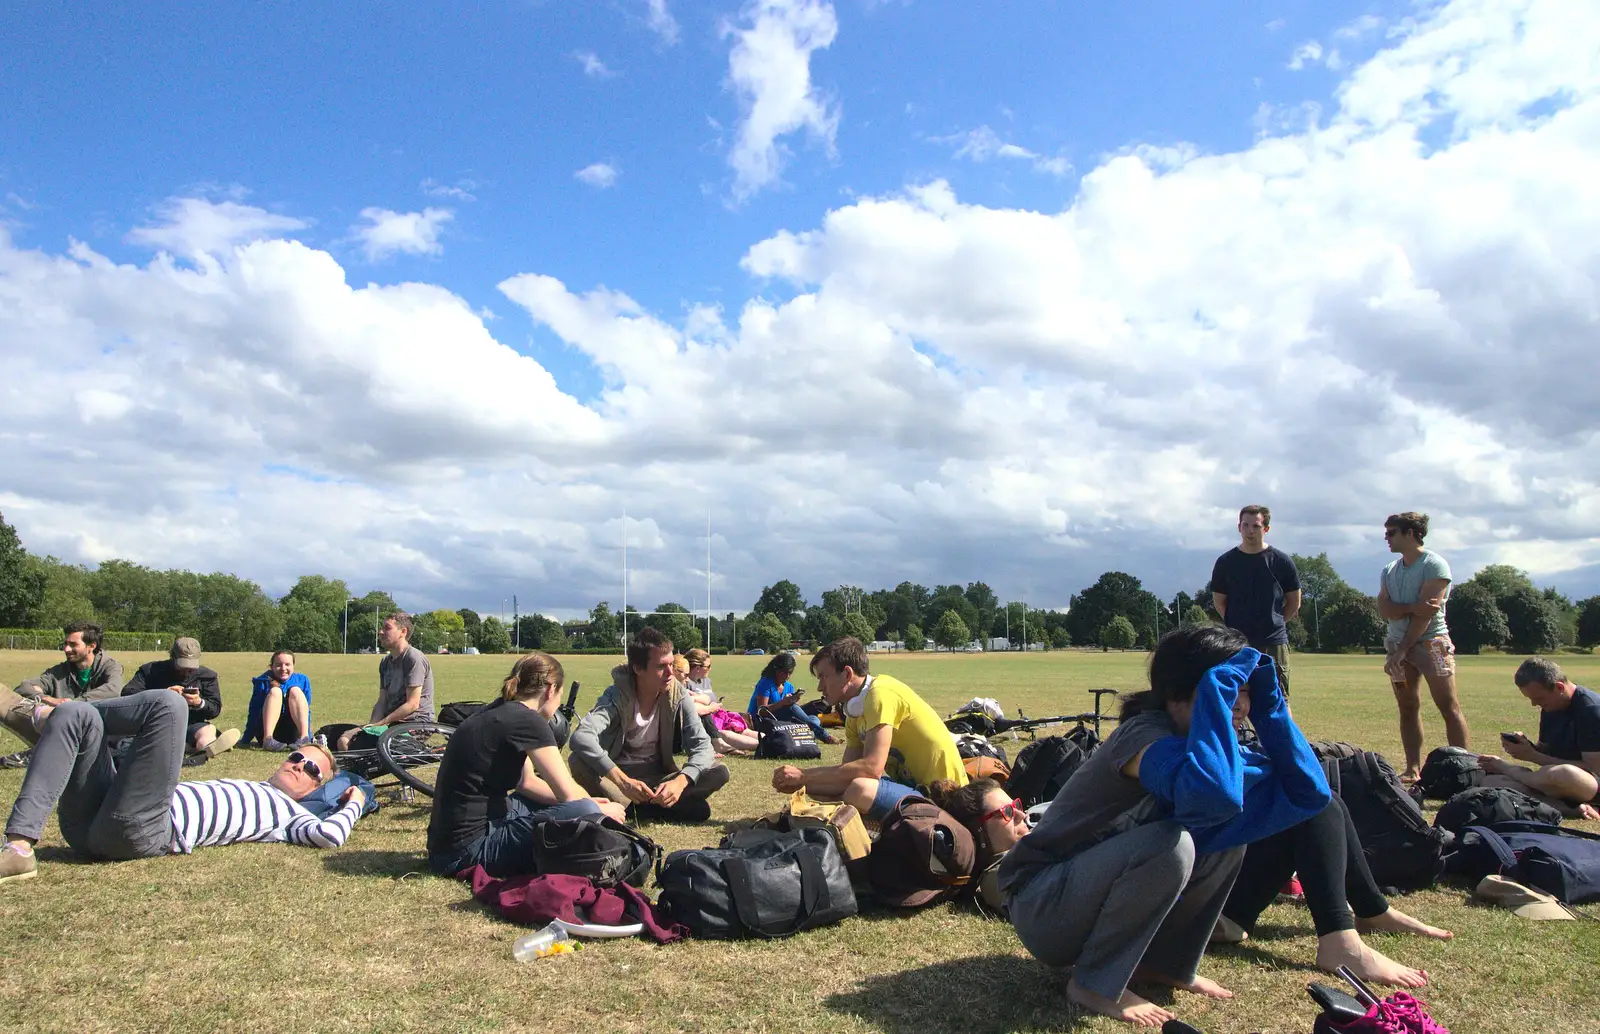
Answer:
(812, 864)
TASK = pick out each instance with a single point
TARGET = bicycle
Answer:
(980, 723)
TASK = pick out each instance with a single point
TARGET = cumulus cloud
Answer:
(592, 66)
(1308, 53)
(769, 70)
(194, 227)
(661, 21)
(983, 144)
(1352, 316)
(387, 233)
(600, 174)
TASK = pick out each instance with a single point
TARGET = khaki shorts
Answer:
(1434, 658)
(1279, 652)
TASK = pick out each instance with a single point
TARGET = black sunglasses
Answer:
(306, 765)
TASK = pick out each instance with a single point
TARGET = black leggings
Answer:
(1326, 852)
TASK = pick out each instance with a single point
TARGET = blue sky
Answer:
(1092, 274)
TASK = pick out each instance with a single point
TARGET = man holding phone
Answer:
(1568, 751)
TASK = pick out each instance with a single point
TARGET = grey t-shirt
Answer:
(1404, 585)
(396, 675)
(1096, 800)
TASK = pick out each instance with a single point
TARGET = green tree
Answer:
(66, 593)
(783, 601)
(676, 623)
(1531, 622)
(1318, 582)
(22, 584)
(1060, 638)
(314, 594)
(1476, 620)
(1115, 593)
(1502, 580)
(366, 614)
(605, 629)
(1195, 615)
(858, 626)
(1299, 638)
(903, 607)
(425, 633)
(305, 628)
(531, 629)
(986, 604)
(493, 637)
(1588, 628)
(764, 632)
(915, 639)
(951, 632)
(1352, 621)
(231, 614)
(823, 625)
(472, 621)
(1565, 613)
(452, 629)
(1118, 633)
(555, 640)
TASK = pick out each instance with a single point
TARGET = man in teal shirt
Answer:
(85, 673)
(1412, 599)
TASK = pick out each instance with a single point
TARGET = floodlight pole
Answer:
(344, 642)
(624, 579)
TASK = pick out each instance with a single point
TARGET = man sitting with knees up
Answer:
(623, 748)
(894, 742)
(1568, 751)
(405, 686)
(85, 673)
(502, 775)
(136, 807)
(182, 673)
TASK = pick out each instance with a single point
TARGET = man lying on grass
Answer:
(137, 808)
(894, 742)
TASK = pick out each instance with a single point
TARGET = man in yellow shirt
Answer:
(894, 742)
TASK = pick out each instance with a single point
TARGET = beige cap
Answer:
(1523, 901)
(185, 652)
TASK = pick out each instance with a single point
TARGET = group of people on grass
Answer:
(1171, 836)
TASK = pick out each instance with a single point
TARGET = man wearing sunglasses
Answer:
(136, 807)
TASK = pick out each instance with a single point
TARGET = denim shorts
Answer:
(890, 793)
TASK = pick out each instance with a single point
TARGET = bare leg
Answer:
(1408, 695)
(1443, 689)
(1345, 948)
(1396, 921)
(203, 736)
(860, 794)
(299, 713)
(1552, 786)
(271, 709)
(739, 740)
(1199, 985)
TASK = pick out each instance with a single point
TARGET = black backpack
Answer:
(1402, 850)
(759, 883)
(1447, 772)
(971, 745)
(785, 740)
(1488, 805)
(594, 846)
(458, 711)
(1335, 749)
(1043, 767)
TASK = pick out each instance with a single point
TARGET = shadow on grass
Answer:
(395, 864)
(915, 1001)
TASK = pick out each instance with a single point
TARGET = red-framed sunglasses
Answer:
(1010, 812)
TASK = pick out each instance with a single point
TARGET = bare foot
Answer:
(1588, 813)
(1129, 1007)
(1228, 932)
(1396, 921)
(1410, 776)
(1345, 949)
(1199, 985)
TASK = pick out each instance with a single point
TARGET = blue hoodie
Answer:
(1226, 795)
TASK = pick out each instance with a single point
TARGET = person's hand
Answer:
(1492, 764)
(636, 790)
(611, 809)
(343, 742)
(180, 690)
(52, 701)
(192, 698)
(1392, 662)
(788, 779)
(670, 790)
(354, 794)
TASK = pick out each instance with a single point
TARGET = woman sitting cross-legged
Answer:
(280, 705)
(729, 731)
(776, 695)
(502, 774)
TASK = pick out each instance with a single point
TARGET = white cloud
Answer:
(387, 233)
(769, 69)
(983, 144)
(600, 175)
(461, 190)
(593, 67)
(1340, 320)
(194, 227)
(661, 21)
(1308, 53)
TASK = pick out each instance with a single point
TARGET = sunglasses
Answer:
(1010, 812)
(309, 767)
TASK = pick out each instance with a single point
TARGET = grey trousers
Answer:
(106, 810)
(1139, 897)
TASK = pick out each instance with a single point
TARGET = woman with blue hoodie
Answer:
(1128, 871)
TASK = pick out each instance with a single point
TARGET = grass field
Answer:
(259, 937)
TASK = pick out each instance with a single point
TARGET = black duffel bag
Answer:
(597, 847)
(759, 883)
(1489, 805)
(790, 741)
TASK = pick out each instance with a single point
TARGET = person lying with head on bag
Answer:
(503, 774)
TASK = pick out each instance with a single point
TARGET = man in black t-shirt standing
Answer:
(1568, 751)
(1256, 589)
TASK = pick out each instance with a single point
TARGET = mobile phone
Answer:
(1511, 737)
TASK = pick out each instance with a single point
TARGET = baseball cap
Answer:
(185, 652)
(1522, 900)
(921, 856)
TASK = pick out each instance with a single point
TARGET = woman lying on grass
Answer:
(1130, 868)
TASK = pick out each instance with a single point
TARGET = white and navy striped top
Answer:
(213, 812)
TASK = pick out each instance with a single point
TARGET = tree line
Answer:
(1498, 607)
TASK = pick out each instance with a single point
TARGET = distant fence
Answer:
(111, 642)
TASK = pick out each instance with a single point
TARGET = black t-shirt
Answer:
(1255, 584)
(1570, 734)
(482, 764)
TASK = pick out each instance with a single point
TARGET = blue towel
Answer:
(1226, 795)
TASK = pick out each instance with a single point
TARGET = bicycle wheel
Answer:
(412, 753)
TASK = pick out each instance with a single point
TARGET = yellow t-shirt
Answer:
(921, 748)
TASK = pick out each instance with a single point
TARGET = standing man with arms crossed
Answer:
(405, 685)
(1256, 590)
(1412, 599)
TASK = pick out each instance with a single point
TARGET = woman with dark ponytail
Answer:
(502, 774)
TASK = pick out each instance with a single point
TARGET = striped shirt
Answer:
(213, 812)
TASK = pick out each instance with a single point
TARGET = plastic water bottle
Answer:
(539, 943)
